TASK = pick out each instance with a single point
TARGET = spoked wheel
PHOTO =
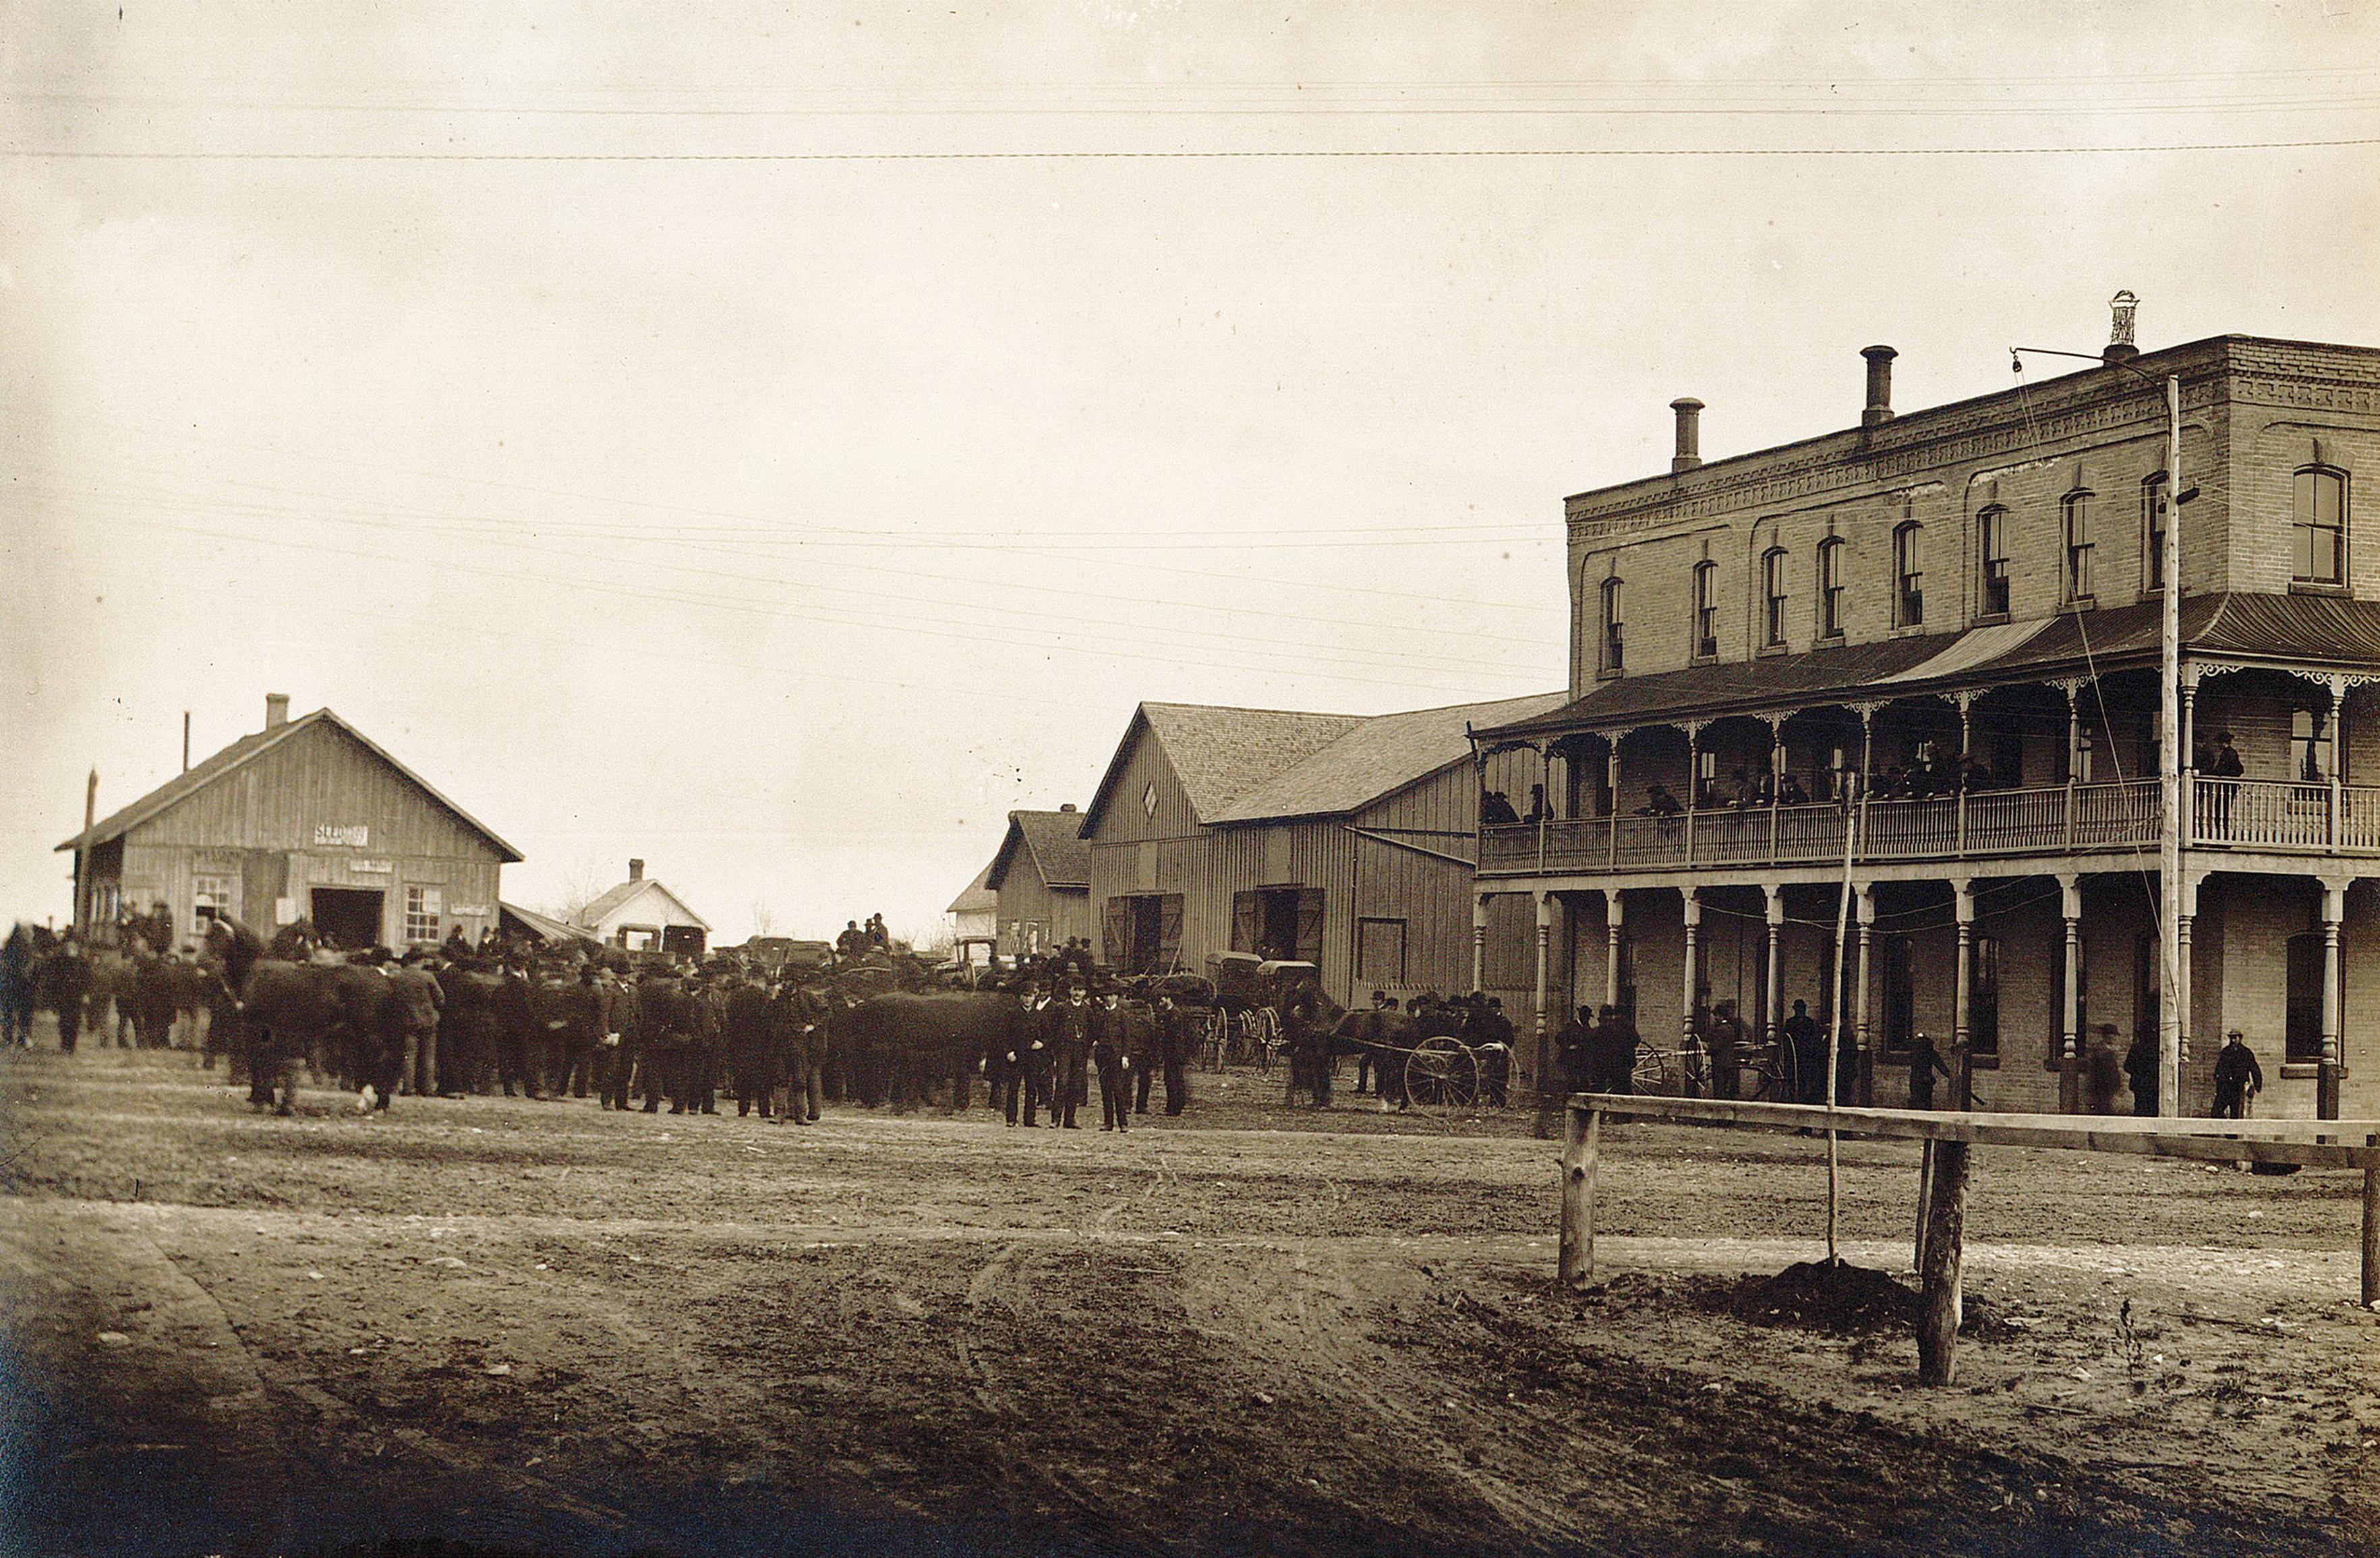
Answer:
(1218, 1038)
(1264, 1035)
(1441, 1070)
(1653, 1073)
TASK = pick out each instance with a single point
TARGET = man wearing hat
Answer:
(1111, 1054)
(1070, 1053)
(1034, 1056)
(1491, 1035)
(2226, 767)
(2238, 1077)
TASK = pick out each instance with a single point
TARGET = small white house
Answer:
(642, 914)
(975, 912)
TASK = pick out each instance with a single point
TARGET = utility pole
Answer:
(82, 921)
(2170, 758)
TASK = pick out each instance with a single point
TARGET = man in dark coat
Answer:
(1036, 1026)
(1490, 1037)
(62, 982)
(752, 1028)
(1615, 1048)
(1574, 1049)
(1111, 1056)
(1806, 1042)
(2103, 1071)
(804, 1015)
(1174, 1038)
(1924, 1064)
(2238, 1077)
(617, 1048)
(414, 1002)
(1070, 1047)
(2140, 1066)
(1724, 1036)
(1142, 1045)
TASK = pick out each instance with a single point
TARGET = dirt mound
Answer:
(1836, 1297)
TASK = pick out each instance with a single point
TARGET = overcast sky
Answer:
(650, 425)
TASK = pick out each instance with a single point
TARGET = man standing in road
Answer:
(1807, 1044)
(1174, 1040)
(1112, 1053)
(1070, 1050)
(414, 1002)
(1725, 1038)
(2238, 1077)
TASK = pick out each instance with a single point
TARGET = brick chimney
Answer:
(2119, 330)
(636, 871)
(1879, 385)
(1689, 453)
(277, 710)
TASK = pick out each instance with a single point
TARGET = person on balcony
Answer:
(1742, 794)
(1789, 792)
(1658, 802)
(2226, 768)
(1973, 775)
(1537, 812)
(1496, 810)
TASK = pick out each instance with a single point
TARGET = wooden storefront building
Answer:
(1346, 840)
(307, 818)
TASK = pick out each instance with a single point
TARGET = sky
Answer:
(776, 441)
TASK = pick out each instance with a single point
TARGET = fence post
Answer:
(1938, 1279)
(1580, 1142)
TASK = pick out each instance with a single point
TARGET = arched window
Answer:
(2075, 512)
(1705, 609)
(1909, 575)
(1772, 596)
(1614, 638)
(1992, 565)
(2320, 533)
(1830, 588)
(2156, 507)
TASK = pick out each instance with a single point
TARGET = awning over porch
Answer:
(2311, 630)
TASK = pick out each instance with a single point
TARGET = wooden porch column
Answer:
(1772, 989)
(1694, 913)
(2326, 1089)
(1478, 940)
(1614, 921)
(1864, 908)
(1966, 701)
(2073, 692)
(1962, 993)
(1693, 781)
(1545, 1090)
(2337, 727)
(2188, 756)
(2070, 1061)
(1776, 775)
(2186, 911)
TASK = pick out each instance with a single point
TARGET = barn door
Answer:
(1248, 920)
(1168, 932)
(1309, 925)
(1115, 930)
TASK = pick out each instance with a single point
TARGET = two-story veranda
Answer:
(2010, 912)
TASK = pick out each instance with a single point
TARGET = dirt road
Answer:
(538, 1327)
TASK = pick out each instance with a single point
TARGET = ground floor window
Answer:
(1899, 997)
(1983, 999)
(2148, 989)
(212, 898)
(422, 906)
(2301, 1044)
(1141, 932)
(1379, 952)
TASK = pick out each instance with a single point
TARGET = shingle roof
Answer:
(978, 895)
(1374, 758)
(245, 749)
(1054, 841)
(612, 899)
(543, 927)
(2319, 630)
(1222, 753)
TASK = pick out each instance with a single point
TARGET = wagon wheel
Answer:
(1442, 1069)
(1264, 1035)
(1217, 1038)
(1653, 1072)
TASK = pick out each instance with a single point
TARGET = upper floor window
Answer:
(2306, 746)
(2320, 533)
(1772, 596)
(1705, 609)
(2076, 514)
(1991, 548)
(1909, 575)
(1830, 588)
(2155, 506)
(1614, 639)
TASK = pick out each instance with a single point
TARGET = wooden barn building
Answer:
(307, 818)
(1342, 839)
(1043, 878)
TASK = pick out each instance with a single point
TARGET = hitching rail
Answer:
(1942, 1187)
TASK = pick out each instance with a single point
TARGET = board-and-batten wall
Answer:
(257, 826)
(1026, 900)
(1361, 872)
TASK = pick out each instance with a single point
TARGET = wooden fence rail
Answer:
(1946, 1176)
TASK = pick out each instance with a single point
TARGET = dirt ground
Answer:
(504, 1325)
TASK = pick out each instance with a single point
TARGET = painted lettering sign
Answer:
(353, 835)
(377, 868)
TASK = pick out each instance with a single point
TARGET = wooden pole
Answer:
(1580, 1141)
(2372, 1230)
(1937, 1288)
(1924, 1199)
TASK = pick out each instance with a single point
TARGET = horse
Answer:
(336, 1016)
(1383, 1035)
(26, 946)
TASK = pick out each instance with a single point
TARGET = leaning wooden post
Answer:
(1937, 1287)
(1924, 1199)
(1580, 1141)
(2371, 1227)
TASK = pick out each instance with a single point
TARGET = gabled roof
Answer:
(543, 927)
(978, 897)
(1054, 841)
(1377, 758)
(1220, 753)
(247, 749)
(2314, 631)
(615, 898)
